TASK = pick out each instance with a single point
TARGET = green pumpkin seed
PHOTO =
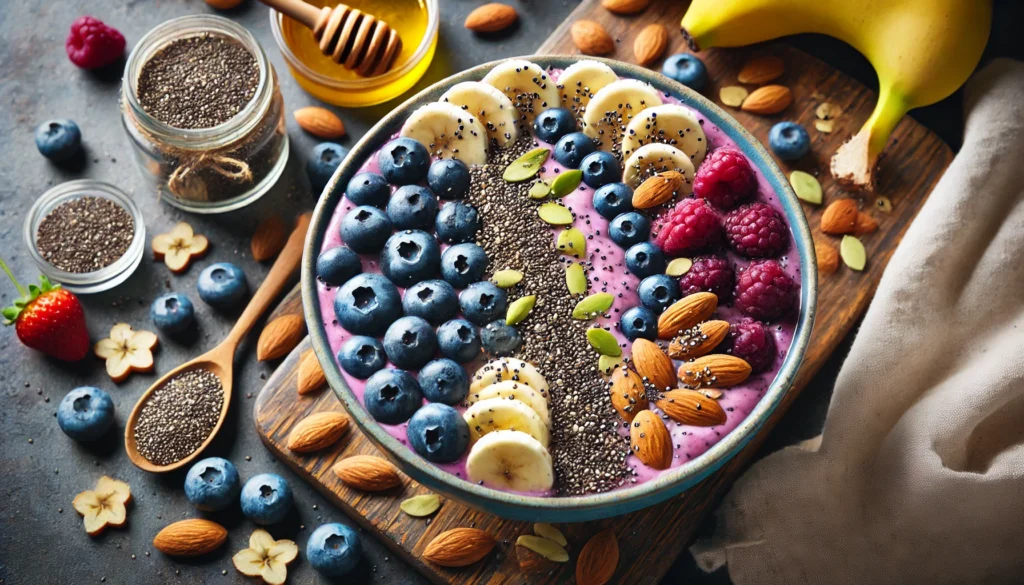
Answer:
(550, 532)
(678, 267)
(604, 342)
(555, 214)
(420, 506)
(576, 279)
(806, 186)
(507, 278)
(520, 309)
(566, 183)
(539, 190)
(851, 250)
(526, 166)
(545, 547)
(572, 242)
(592, 306)
(608, 363)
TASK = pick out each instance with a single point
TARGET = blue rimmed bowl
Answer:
(576, 508)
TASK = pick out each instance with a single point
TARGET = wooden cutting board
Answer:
(649, 540)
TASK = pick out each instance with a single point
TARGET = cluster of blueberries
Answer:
(221, 285)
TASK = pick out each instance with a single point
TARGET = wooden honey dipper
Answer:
(354, 39)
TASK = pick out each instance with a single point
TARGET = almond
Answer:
(598, 560)
(280, 336)
(269, 238)
(761, 70)
(311, 374)
(591, 38)
(490, 18)
(650, 441)
(767, 100)
(717, 370)
(685, 313)
(865, 224)
(367, 473)
(628, 394)
(625, 6)
(459, 547)
(698, 340)
(533, 563)
(840, 217)
(189, 538)
(658, 189)
(650, 44)
(828, 257)
(320, 122)
(653, 364)
(690, 407)
(317, 431)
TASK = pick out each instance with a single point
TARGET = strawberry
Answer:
(49, 319)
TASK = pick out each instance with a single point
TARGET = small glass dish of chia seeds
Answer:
(87, 235)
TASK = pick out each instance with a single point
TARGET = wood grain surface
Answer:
(651, 539)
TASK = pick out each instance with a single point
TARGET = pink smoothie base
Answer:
(609, 269)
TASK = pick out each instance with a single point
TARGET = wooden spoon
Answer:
(220, 360)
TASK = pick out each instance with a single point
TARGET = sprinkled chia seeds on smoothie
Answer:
(179, 416)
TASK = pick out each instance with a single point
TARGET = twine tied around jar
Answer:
(190, 162)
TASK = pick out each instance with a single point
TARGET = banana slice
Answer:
(651, 159)
(528, 86)
(666, 124)
(493, 108)
(511, 390)
(613, 107)
(511, 460)
(448, 132)
(508, 369)
(580, 81)
(498, 414)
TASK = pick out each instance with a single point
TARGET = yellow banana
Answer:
(922, 51)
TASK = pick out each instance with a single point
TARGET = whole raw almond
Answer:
(490, 18)
(652, 364)
(628, 394)
(865, 224)
(767, 100)
(317, 431)
(320, 122)
(269, 238)
(311, 375)
(658, 189)
(189, 538)
(280, 336)
(717, 370)
(698, 340)
(761, 69)
(828, 257)
(591, 38)
(650, 44)
(840, 217)
(650, 441)
(685, 313)
(598, 560)
(459, 547)
(625, 6)
(692, 408)
(367, 473)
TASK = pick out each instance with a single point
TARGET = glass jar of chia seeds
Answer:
(202, 107)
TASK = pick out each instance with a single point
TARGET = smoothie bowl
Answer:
(559, 289)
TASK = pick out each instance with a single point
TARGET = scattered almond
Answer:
(550, 532)
(828, 257)
(717, 370)
(311, 375)
(628, 394)
(368, 473)
(658, 189)
(865, 224)
(317, 431)
(459, 547)
(650, 44)
(767, 100)
(533, 563)
(761, 70)
(490, 18)
(269, 238)
(320, 122)
(625, 6)
(733, 95)
(653, 364)
(545, 547)
(591, 38)
(280, 336)
(685, 313)
(650, 441)
(189, 538)
(598, 560)
(698, 340)
(840, 217)
(690, 407)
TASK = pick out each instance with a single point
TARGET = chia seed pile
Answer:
(85, 234)
(179, 416)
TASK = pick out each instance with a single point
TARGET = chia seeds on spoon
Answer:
(85, 234)
(179, 416)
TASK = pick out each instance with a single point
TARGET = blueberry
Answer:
(212, 484)
(86, 413)
(500, 339)
(483, 302)
(612, 199)
(368, 189)
(438, 433)
(392, 396)
(367, 304)
(554, 123)
(600, 168)
(403, 161)
(58, 140)
(686, 69)
(266, 498)
(639, 323)
(658, 292)
(571, 148)
(336, 265)
(629, 228)
(362, 356)
(412, 207)
(334, 549)
(222, 285)
(409, 257)
(449, 178)
(645, 259)
(172, 313)
(789, 140)
(433, 300)
(364, 229)
(443, 380)
(457, 222)
(459, 340)
(463, 264)
(410, 342)
(326, 159)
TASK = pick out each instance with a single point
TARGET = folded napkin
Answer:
(918, 476)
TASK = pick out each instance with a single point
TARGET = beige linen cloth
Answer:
(918, 476)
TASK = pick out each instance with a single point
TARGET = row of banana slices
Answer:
(626, 116)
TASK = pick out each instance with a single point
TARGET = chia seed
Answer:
(179, 416)
(85, 234)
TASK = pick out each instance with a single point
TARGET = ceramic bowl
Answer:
(578, 508)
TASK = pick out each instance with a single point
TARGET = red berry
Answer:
(690, 227)
(764, 291)
(711, 274)
(49, 319)
(92, 44)
(752, 341)
(755, 230)
(725, 179)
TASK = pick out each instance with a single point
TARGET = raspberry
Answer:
(92, 44)
(750, 340)
(691, 226)
(725, 179)
(711, 274)
(764, 290)
(755, 230)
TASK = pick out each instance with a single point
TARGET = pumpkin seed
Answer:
(539, 190)
(555, 214)
(607, 363)
(851, 250)
(806, 186)
(550, 532)
(507, 278)
(604, 342)
(572, 242)
(520, 309)
(592, 306)
(526, 166)
(678, 267)
(545, 547)
(883, 204)
(733, 95)
(576, 279)
(566, 183)
(420, 506)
